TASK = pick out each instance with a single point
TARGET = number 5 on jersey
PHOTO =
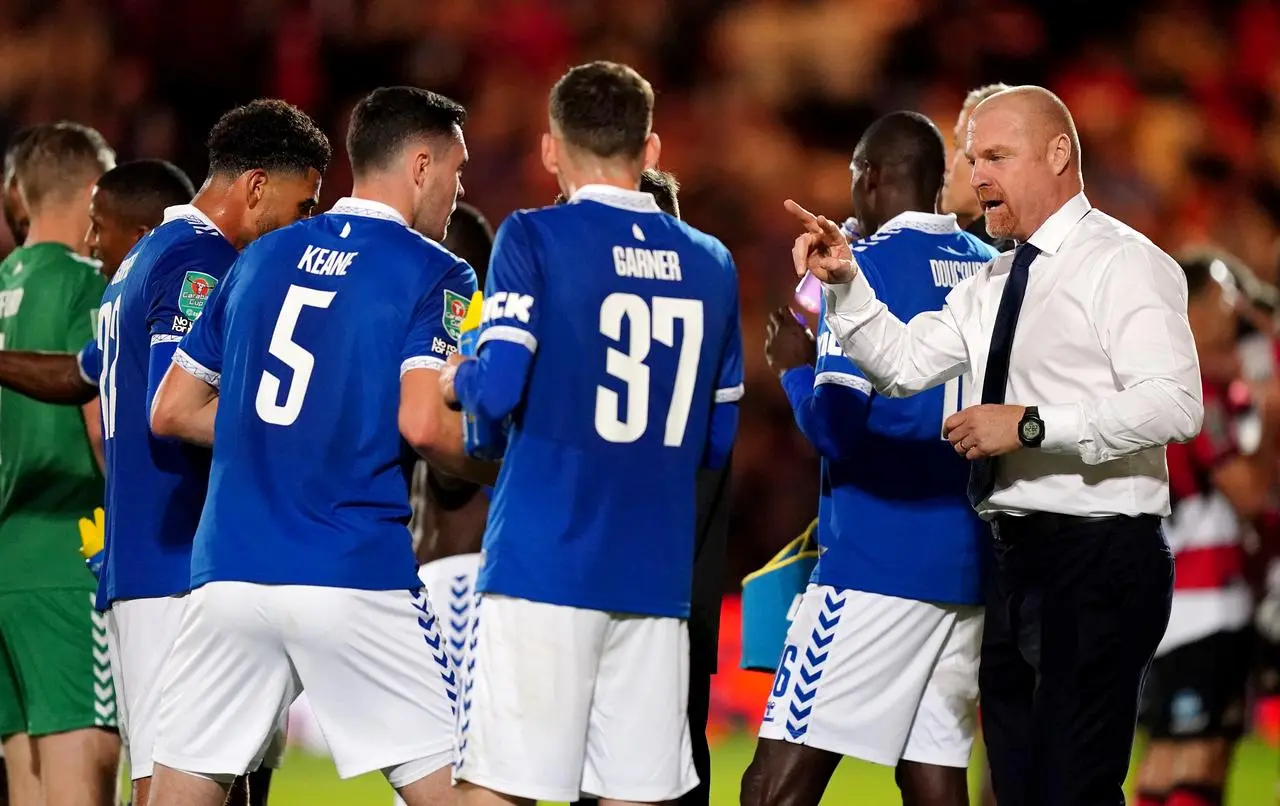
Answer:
(648, 324)
(293, 355)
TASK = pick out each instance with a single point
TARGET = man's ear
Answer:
(421, 158)
(652, 149)
(1059, 153)
(550, 153)
(255, 183)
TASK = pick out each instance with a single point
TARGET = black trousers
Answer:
(1075, 610)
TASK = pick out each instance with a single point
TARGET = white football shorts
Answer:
(451, 584)
(878, 678)
(140, 635)
(560, 702)
(373, 665)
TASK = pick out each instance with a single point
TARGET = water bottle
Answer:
(482, 438)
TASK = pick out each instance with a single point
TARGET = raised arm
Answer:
(898, 358)
(1140, 314)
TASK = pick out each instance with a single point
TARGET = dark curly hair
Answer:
(270, 135)
(140, 190)
(386, 119)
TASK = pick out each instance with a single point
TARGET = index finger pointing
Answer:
(799, 212)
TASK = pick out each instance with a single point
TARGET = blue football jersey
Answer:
(894, 519)
(632, 319)
(307, 341)
(155, 487)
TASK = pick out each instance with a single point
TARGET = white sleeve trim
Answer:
(164, 338)
(844, 379)
(508, 333)
(196, 369)
(84, 376)
(421, 362)
(731, 395)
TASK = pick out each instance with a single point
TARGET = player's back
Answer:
(313, 324)
(634, 319)
(48, 477)
(155, 487)
(895, 518)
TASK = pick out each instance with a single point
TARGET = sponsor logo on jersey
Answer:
(196, 286)
(455, 308)
(10, 302)
(508, 304)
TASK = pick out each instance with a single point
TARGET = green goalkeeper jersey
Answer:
(49, 300)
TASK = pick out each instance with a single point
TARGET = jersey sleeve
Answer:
(86, 297)
(729, 387)
(178, 290)
(89, 360)
(434, 329)
(513, 288)
(200, 351)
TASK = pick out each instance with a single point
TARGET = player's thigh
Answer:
(945, 722)
(526, 700)
(226, 681)
(786, 773)
(22, 769)
(1197, 691)
(141, 634)
(81, 767)
(638, 743)
(376, 673)
(58, 646)
(451, 586)
(854, 671)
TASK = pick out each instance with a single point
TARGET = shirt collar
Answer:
(352, 205)
(633, 200)
(1048, 239)
(190, 211)
(924, 222)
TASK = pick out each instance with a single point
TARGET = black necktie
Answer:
(982, 472)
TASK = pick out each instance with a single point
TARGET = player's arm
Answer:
(899, 358)
(434, 431)
(190, 376)
(426, 422)
(185, 371)
(492, 385)
(722, 429)
(830, 409)
(85, 297)
(47, 377)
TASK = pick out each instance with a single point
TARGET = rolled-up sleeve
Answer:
(1140, 315)
(899, 358)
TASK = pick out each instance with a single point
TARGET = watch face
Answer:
(1030, 430)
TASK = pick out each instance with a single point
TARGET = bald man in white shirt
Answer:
(1079, 342)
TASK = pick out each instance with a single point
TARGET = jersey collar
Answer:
(368, 208)
(632, 200)
(190, 211)
(924, 222)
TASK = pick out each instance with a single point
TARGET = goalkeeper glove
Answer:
(92, 540)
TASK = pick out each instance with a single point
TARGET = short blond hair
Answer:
(981, 94)
(59, 160)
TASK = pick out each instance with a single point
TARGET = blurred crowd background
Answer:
(1177, 101)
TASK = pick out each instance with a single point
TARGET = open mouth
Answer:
(990, 204)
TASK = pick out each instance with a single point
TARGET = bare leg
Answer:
(79, 766)
(785, 774)
(23, 768)
(931, 784)
(472, 795)
(174, 788)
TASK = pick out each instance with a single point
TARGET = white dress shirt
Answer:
(1102, 347)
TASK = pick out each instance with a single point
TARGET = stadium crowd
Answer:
(1178, 125)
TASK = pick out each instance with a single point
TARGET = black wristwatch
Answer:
(1031, 428)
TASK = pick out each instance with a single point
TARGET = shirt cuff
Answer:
(851, 297)
(1061, 429)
